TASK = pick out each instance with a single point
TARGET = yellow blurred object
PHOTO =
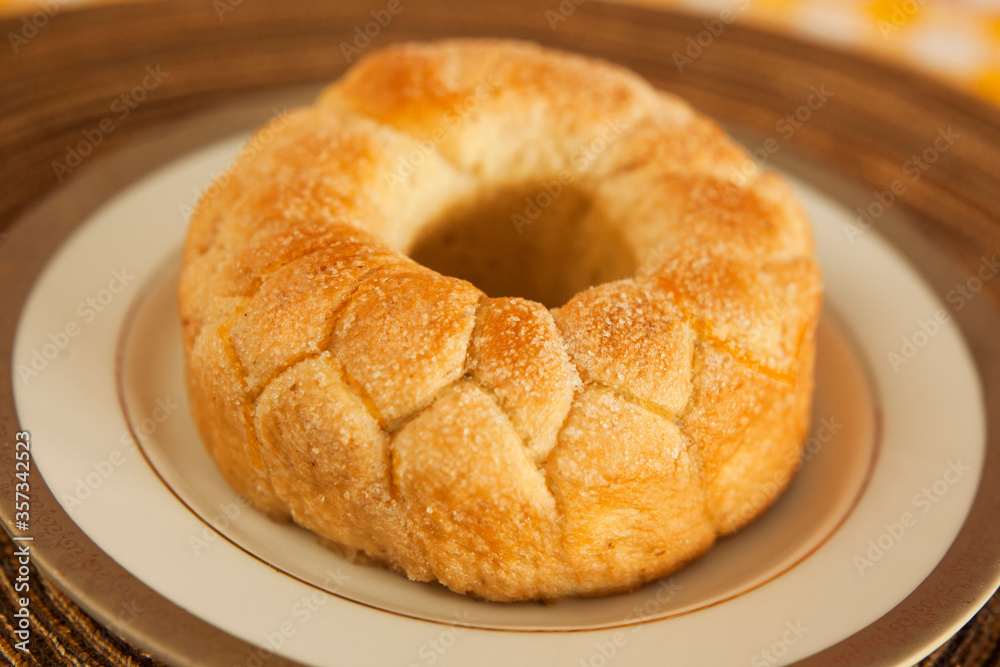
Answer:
(892, 14)
(988, 85)
(957, 41)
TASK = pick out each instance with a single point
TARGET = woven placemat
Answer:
(63, 634)
(62, 78)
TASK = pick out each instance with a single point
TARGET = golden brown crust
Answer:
(632, 494)
(503, 448)
(520, 355)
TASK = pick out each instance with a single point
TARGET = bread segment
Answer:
(330, 461)
(220, 408)
(748, 427)
(521, 357)
(480, 506)
(759, 311)
(298, 303)
(632, 337)
(405, 335)
(494, 108)
(632, 494)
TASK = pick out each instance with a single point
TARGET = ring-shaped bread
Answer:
(506, 449)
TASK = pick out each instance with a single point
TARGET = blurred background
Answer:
(954, 40)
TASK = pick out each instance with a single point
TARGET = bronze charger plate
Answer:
(81, 67)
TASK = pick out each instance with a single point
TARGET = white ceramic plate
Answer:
(892, 468)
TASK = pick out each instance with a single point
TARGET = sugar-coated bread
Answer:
(620, 373)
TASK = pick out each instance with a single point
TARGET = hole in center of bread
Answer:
(544, 242)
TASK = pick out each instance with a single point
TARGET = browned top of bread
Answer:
(504, 447)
